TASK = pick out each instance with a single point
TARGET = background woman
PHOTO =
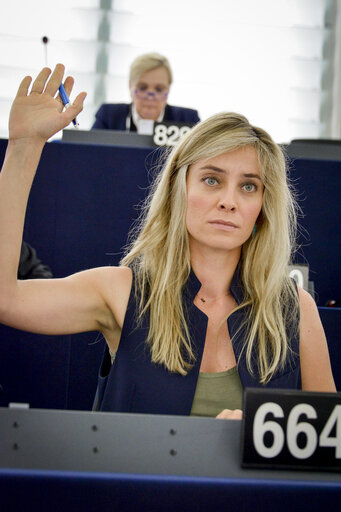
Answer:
(150, 79)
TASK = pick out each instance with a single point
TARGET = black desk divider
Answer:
(315, 149)
(108, 138)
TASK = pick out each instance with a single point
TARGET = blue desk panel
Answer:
(55, 492)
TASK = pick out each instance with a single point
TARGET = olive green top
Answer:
(214, 392)
(217, 391)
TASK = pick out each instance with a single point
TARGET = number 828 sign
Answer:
(291, 429)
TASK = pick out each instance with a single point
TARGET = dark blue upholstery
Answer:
(318, 192)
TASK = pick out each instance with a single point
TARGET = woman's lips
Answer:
(223, 225)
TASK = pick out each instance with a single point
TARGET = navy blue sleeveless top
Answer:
(135, 384)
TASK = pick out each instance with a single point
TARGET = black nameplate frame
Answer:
(285, 429)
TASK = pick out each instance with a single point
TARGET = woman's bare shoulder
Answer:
(120, 275)
(112, 276)
(305, 297)
(310, 322)
(307, 303)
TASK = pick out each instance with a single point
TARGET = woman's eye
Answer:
(211, 181)
(249, 187)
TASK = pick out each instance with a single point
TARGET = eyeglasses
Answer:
(143, 94)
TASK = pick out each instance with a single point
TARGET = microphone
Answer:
(45, 40)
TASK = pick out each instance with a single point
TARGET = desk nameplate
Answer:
(285, 429)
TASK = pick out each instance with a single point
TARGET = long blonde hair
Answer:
(160, 259)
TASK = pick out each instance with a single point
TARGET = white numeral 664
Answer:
(294, 428)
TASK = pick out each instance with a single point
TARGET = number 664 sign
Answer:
(291, 429)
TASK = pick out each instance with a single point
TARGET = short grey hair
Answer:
(147, 62)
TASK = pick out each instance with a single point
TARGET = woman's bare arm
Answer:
(94, 299)
(84, 301)
(315, 363)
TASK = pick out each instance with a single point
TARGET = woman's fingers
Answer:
(68, 85)
(39, 83)
(38, 114)
(50, 87)
(228, 414)
(44, 84)
(55, 80)
(78, 103)
(75, 108)
(24, 86)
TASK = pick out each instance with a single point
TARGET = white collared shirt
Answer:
(143, 126)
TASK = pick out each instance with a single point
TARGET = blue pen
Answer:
(66, 102)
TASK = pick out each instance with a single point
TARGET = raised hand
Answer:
(38, 114)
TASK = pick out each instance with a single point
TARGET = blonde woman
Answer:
(202, 305)
(150, 79)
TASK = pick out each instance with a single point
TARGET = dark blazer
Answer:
(112, 116)
(135, 384)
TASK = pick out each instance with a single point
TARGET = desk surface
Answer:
(38, 439)
(144, 461)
